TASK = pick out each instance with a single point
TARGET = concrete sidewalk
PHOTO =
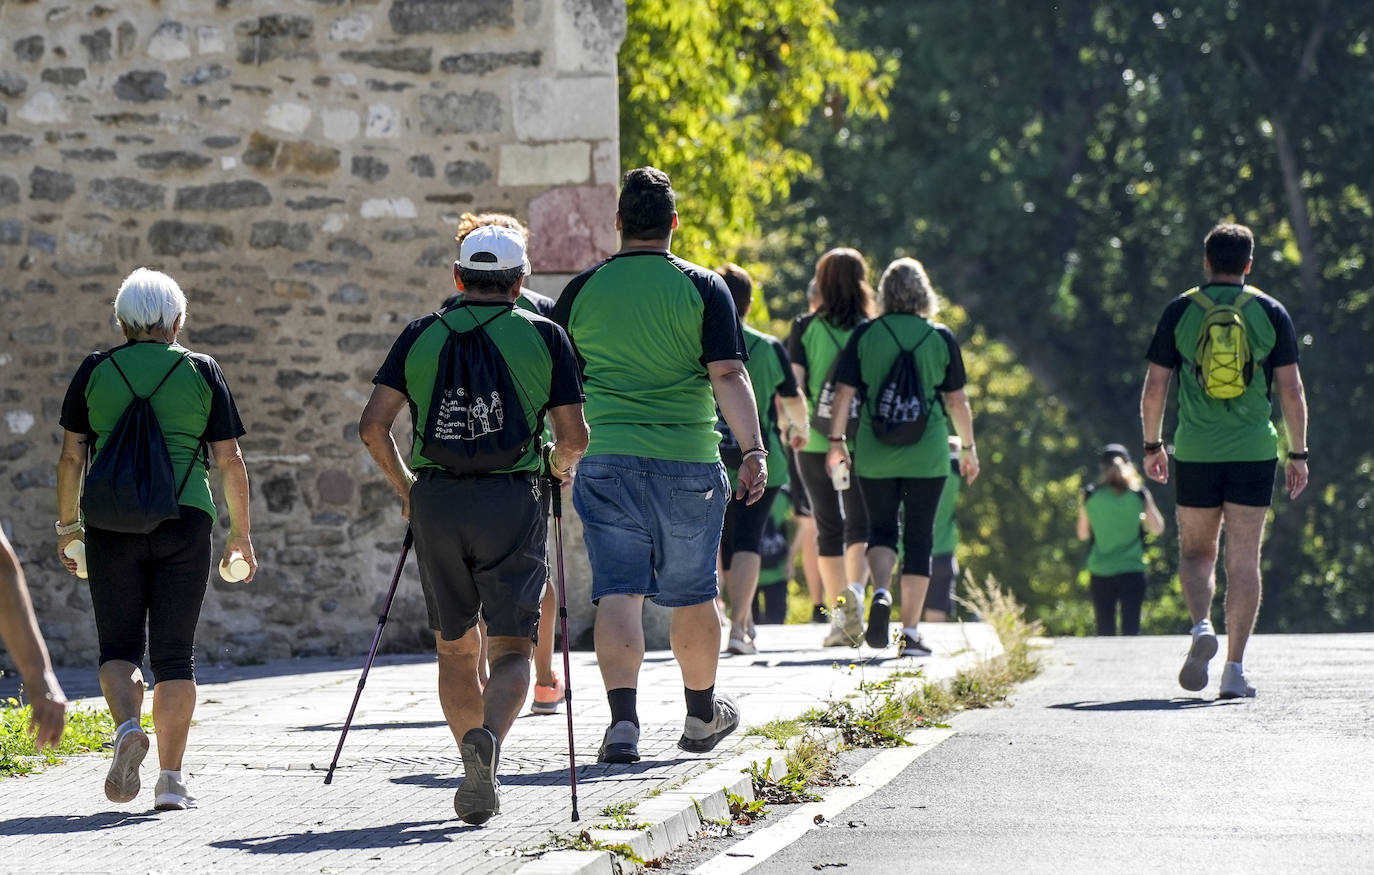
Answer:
(261, 743)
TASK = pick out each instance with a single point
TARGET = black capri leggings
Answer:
(744, 525)
(904, 505)
(1128, 590)
(157, 580)
(841, 518)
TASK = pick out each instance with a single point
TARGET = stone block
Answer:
(12, 84)
(449, 16)
(126, 193)
(482, 63)
(209, 39)
(587, 35)
(352, 29)
(575, 227)
(176, 159)
(295, 237)
(298, 290)
(313, 202)
(388, 208)
(293, 118)
(314, 267)
(606, 163)
(11, 232)
(168, 237)
(97, 45)
(142, 86)
(307, 158)
(29, 49)
(435, 256)
(453, 113)
(370, 168)
(340, 125)
(45, 243)
(583, 108)
(223, 196)
(50, 185)
(43, 108)
(383, 122)
(274, 38)
(221, 335)
(345, 248)
(544, 165)
(91, 155)
(466, 174)
(9, 191)
(349, 293)
(125, 37)
(335, 486)
(421, 166)
(407, 60)
(66, 77)
(15, 144)
(206, 73)
(170, 42)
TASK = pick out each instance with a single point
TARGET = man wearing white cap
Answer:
(479, 377)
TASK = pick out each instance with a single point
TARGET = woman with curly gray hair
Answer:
(901, 465)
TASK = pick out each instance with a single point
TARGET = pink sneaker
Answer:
(546, 699)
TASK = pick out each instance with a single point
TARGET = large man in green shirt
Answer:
(660, 344)
(1225, 450)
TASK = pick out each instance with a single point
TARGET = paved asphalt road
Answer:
(1104, 764)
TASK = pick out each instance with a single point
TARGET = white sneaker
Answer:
(836, 636)
(1233, 683)
(172, 795)
(1193, 675)
(130, 747)
(741, 647)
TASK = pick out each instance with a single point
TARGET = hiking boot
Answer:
(476, 800)
(909, 646)
(546, 699)
(1193, 675)
(1233, 683)
(699, 736)
(130, 747)
(172, 795)
(879, 634)
(846, 625)
(818, 614)
(620, 744)
(741, 647)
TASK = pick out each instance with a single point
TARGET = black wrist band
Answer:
(752, 450)
(1153, 446)
(1298, 457)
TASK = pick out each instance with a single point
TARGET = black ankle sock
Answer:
(624, 704)
(701, 704)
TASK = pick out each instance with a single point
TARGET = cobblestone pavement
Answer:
(264, 735)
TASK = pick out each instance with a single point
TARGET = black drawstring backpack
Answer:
(901, 410)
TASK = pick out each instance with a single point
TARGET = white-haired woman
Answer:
(154, 581)
(902, 477)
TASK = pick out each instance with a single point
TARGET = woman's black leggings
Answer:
(744, 525)
(905, 506)
(1127, 589)
(155, 581)
(841, 518)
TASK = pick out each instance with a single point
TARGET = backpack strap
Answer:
(1197, 296)
(923, 339)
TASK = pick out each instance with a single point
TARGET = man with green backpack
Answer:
(1231, 344)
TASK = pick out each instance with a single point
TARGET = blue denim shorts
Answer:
(652, 527)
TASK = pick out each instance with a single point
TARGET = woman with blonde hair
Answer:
(817, 338)
(1114, 516)
(901, 455)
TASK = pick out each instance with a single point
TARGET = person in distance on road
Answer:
(1115, 514)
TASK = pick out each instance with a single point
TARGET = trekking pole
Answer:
(557, 496)
(372, 654)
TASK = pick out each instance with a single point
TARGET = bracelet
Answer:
(973, 447)
(1298, 457)
(71, 529)
(753, 450)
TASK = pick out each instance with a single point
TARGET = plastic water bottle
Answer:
(839, 477)
(235, 569)
(77, 550)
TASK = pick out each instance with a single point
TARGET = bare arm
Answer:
(19, 631)
(69, 467)
(570, 437)
(1154, 520)
(1152, 398)
(374, 427)
(1293, 401)
(1085, 529)
(735, 395)
(961, 414)
(234, 481)
(838, 452)
(795, 415)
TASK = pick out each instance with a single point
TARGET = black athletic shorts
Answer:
(480, 546)
(1210, 484)
(801, 503)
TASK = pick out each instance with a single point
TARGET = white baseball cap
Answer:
(492, 247)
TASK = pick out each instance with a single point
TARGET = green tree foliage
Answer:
(1056, 167)
(714, 92)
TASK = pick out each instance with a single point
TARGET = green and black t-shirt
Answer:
(772, 376)
(865, 363)
(645, 324)
(815, 344)
(946, 530)
(1241, 429)
(536, 351)
(193, 405)
(1118, 546)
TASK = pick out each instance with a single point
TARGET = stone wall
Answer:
(298, 166)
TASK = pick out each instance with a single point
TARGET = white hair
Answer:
(149, 300)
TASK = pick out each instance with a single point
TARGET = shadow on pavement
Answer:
(1145, 705)
(586, 774)
(337, 727)
(56, 824)
(391, 835)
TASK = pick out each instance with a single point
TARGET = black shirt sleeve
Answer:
(795, 349)
(224, 422)
(788, 388)
(1163, 349)
(542, 304)
(955, 378)
(847, 368)
(722, 338)
(75, 415)
(392, 373)
(565, 379)
(1286, 350)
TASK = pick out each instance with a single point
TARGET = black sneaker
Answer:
(818, 614)
(879, 633)
(909, 646)
(476, 799)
